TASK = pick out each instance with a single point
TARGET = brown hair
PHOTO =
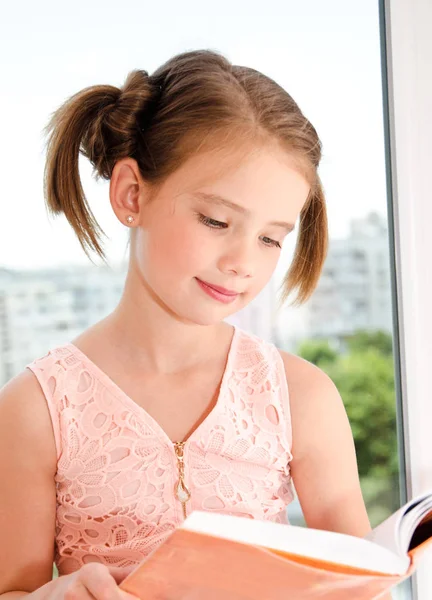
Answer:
(196, 98)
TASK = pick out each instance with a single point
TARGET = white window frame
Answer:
(407, 74)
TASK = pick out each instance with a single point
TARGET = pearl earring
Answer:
(129, 219)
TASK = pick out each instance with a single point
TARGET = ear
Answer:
(126, 190)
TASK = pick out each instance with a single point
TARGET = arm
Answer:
(27, 493)
(324, 466)
(28, 464)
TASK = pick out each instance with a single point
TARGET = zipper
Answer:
(180, 489)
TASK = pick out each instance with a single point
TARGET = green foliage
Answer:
(364, 376)
(366, 340)
(317, 352)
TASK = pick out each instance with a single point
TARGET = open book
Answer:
(214, 556)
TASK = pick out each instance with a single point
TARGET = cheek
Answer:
(264, 266)
(175, 248)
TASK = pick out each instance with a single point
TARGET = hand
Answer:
(93, 581)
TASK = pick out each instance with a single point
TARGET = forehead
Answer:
(257, 178)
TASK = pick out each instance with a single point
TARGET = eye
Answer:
(211, 222)
(271, 242)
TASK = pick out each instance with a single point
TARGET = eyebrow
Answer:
(216, 199)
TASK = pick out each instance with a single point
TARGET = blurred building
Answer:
(354, 290)
(44, 308)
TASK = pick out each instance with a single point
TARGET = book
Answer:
(216, 556)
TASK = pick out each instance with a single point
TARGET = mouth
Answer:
(217, 292)
(220, 289)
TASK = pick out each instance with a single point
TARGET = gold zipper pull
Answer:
(181, 491)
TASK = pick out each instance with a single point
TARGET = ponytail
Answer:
(100, 122)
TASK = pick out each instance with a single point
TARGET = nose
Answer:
(238, 257)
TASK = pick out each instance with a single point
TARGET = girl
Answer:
(110, 441)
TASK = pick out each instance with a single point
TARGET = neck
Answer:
(152, 340)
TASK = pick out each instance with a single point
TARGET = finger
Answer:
(120, 573)
(127, 596)
(99, 582)
(82, 592)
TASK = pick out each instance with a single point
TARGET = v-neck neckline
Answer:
(109, 383)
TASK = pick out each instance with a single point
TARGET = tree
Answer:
(366, 340)
(365, 381)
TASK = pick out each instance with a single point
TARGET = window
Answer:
(408, 98)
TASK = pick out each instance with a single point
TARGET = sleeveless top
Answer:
(118, 473)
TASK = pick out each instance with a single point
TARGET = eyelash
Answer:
(213, 224)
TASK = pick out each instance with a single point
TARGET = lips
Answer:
(220, 289)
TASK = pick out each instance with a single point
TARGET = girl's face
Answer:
(218, 220)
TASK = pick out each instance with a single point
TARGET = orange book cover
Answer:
(216, 556)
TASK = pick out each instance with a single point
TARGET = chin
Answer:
(200, 311)
(207, 317)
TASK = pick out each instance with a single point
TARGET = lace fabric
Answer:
(117, 469)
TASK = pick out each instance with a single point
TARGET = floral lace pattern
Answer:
(117, 468)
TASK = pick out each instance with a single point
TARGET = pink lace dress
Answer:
(123, 486)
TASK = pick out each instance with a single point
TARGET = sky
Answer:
(325, 53)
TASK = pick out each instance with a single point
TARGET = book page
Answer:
(321, 545)
(396, 532)
(387, 534)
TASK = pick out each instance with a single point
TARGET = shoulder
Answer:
(28, 492)
(25, 420)
(310, 389)
(305, 378)
(315, 403)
